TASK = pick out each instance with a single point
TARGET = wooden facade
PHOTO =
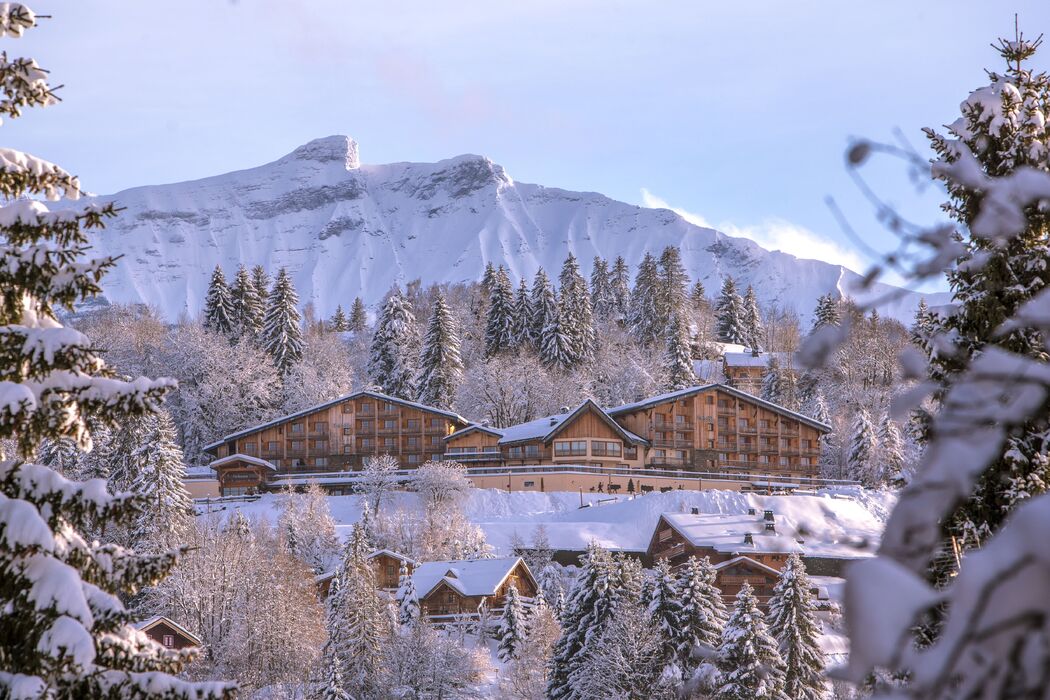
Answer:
(336, 436)
(387, 566)
(730, 576)
(447, 598)
(168, 633)
(713, 428)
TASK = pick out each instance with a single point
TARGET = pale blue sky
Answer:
(737, 112)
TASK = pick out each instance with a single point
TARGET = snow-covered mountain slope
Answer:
(344, 229)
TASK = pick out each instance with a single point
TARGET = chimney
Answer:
(771, 527)
(767, 515)
(750, 511)
(554, 421)
(755, 351)
(748, 539)
(695, 511)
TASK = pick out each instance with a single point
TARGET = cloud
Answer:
(773, 234)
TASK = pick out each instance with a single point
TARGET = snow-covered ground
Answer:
(838, 520)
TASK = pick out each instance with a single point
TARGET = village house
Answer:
(168, 633)
(746, 370)
(335, 436)
(387, 565)
(460, 587)
(709, 428)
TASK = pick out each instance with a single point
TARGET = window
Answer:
(630, 453)
(516, 452)
(710, 400)
(319, 427)
(661, 454)
(764, 423)
(413, 442)
(389, 407)
(743, 423)
(435, 440)
(390, 424)
(437, 423)
(318, 444)
(249, 447)
(296, 445)
(412, 424)
(347, 430)
(570, 448)
(364, 425)
(367, 443)
(388, 442)
(271, 446)
(297, 427)
(348, 408)
(348, 449)
(806, 444)
(436, 457)
(605, 448)
(391, 570)
(723, 403)
(366, 407)
(679, 419)
(413, 459)
(236, 490)
(168, 640)
(783, 461)
(320, 461)
(528, 484)
(490, 448)
(532, 451)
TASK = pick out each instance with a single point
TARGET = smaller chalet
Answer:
(731, 574)
(460, 587)
(720, 537)
(168, 633)
(388, 568)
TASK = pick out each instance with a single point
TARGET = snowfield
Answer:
(344, 229)
(841, 521)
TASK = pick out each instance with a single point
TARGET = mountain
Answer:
(344, 229)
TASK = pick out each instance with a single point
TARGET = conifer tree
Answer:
(671, 295)
(390, 364)
(678, 364)
(555, 348)
(620, 286)
(282, 332)
(575, 315)
(440, 365)
(665, 607)
(794, 625)
(159, 478)
(61, 455)
(339, 323)
(512, 626)
(826, 313)
(891, 452)
(924, 327)
(748, 656)
(544, 307)
(588, 609)
(64, 632)
(643, 315)
(521, 331)
(729, 315)
(753, 330)
(499, 326)
(248, 307)
(358, 316)
(603, 299)
(488, 279)
(703, 615)
(408, 612)
(698, 296)
(219, 312)
(261, 280)
(861, 461)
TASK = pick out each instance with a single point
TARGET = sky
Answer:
(735, 114)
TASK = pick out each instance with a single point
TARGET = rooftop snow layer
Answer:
(475, 577)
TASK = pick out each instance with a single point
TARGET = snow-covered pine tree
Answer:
(703, 616)
(862, 459)
(673, 280)
(339, 322)
(358, 316)
(729, 314)
(544, 307)
(621, 286)
(665, 607)
(678, 364)
(219, 312)
(771, 381)
(826, 313)
(488, 279)
(248, 306)
(64, 632)
(643, 316)
(574, 312)
(521, 331)
(588, 609)
(891, 452)
(158, 481)
(603, 299)
(555, 348)
(390, 364)
(698, 296)
(440, 364)
(499, 324)
(334, 686)
(794, 625)
(512, 626)
(748, 656)
(408, 612)
(61, 455)
(282, 332)
(309, 528)
(261, 280)
(753, 330)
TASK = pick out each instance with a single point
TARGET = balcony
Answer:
(477, 456)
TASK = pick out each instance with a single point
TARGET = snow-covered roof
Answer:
(690, 391)
(355, 395)
(475, 427)
(199, 472)
(150, 622)
(475, 577)
(737, 560)
(546, 428)
(725, 533)
(708, 370)
(392, 554)
(238, 457)
(749, 359)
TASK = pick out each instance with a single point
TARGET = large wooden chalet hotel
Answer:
(701, 437)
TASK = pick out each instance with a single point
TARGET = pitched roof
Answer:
(222, 461)
(743, 559)
(474, 427)
(476, 577)
(547, 427)
(394, 555)
(152, 622)
(725, 533)
(732, 391)
(748, 359)
(357, 394)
